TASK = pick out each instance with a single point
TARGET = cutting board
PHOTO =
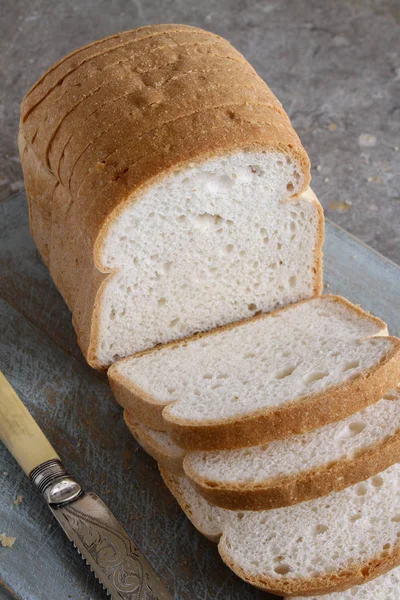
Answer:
(74, 406)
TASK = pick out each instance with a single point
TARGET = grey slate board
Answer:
(74, 406)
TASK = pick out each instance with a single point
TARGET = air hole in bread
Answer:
(256, 563)
(162, 301)
(174, 322)
(286, 372)
(167, 266)
(292, 281)
(352, 430)
(282, 569)
(257, 170)
(207, 376)
(351, 364)
(249, 355)
(315, 376)
(318, 529)
(354, 518)
(377, 481)
(252, 307)
(290, 187)
(171, 390)
(361, 489)
(216, 386)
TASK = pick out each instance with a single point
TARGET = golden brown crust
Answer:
(169, 460)
(67, 65)
(145, 409)
(305, 414)
(300, 487)
(172, 484)
(174, 124)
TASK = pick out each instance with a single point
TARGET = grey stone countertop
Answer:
(334, 64)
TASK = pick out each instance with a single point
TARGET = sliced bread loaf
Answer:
(386, 587)
(300, 467)
(316, 547)
(279, 374)
(168, 192)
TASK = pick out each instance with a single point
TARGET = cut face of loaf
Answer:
(386, 587)
(168, 192)
(320, 546)
(209, 245)
(288, 372)
(287, 471)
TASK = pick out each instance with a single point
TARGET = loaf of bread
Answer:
(168, 192)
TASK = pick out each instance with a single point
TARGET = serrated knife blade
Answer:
(93, 529)
(108, 550)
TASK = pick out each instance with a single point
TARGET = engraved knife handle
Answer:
(19, 431)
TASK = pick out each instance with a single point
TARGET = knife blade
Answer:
(96, 533)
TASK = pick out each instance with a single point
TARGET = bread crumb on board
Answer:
(18, 500)
(6, 540)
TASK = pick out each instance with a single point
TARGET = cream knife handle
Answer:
(20, 432)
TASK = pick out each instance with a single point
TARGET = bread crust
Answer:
(173, 486)
(170, 461)
(355, 574)
(305, 414)
(300, 487)
(209, 126)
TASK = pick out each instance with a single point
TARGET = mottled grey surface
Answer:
(74, 406)
(334, 64)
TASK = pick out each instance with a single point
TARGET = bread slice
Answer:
(168, 192)
(287, 471)
(386, 587)
(156, 443)
(301, 467)
(279, 374)
(316, 547)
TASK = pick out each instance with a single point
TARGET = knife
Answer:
(97, 535)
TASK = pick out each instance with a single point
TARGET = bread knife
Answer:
(95, 532)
